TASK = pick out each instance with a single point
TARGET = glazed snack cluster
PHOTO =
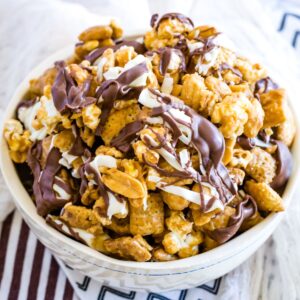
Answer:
(154, 150)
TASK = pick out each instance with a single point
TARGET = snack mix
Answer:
(154, 150)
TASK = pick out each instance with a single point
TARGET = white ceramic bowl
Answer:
(149, 276)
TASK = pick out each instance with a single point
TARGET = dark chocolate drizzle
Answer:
(163, 172)
(182, 46)
(27, 103)
(208, 45)
(207, 140)
(33, 157)
(62, 184)
(283, 157)
(165, 58)
(45, 197)
(72, 233)
(155, 22)
(78, 146)
(265, 85)
(119, 88)
(225, 66)
(206, 137)
(123, 140)
(87, 169)
(95, 54)
(245, 142)
(66, 94)
(25, 176)
(210, 144)
(262, 135)
(284, 166)
(249, 143)
(170, 120)
(244, 211)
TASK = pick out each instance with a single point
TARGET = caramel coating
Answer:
(262, 167)
(117, 120)
(38, 85)
(135, 248)
(274, 104)
(96, 33)
(266, 198)
(251, 72)
(195, 94)
(81, 217)
(150, 220)
(17, 140)
(286, 131)
(220, 220)
(174, 202)
(232, 114)
(137, 193)
(161, 255)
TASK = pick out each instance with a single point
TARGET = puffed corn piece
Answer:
(90, 195)
(117, 120)
(181, 239)
(275, 106)
(111, 151)
(240, 158)
(160, 254)
(63, 140)
(91, 116)
(209, 243)
(38, 85)
(232, 114)
(266, 198)
(167, 34)
(94, 239)
(133, 248)
(87, 135)
(81, 217)
(286, 131)
(17, 139)
(195, 94)
(150, 220)
(200, 218)
(142, 153)
(124, 55)
(175, 202)
(251, 72)
(262, 167)
(256, 117)
(237, 175)
(220, 220)
(119, 225)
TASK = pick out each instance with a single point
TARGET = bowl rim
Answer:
(209, 258)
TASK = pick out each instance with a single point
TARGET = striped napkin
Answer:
(27, 269)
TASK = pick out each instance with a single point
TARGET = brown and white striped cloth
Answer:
(27, 268)
(29, 271)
